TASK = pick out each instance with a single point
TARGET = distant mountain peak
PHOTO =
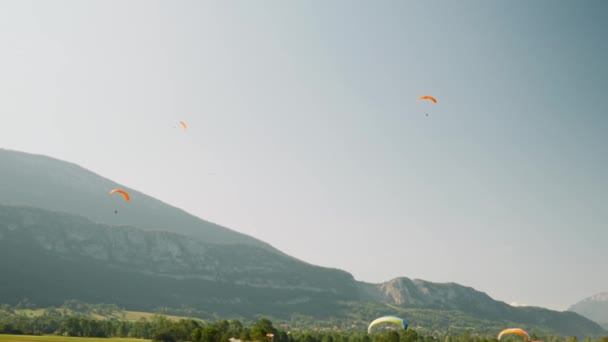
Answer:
(594, 307)
(600, 297)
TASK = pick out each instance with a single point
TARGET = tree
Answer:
(164, 335)
(392, 336)
(222, 326)
(122, 329)
(308, 338)
(6, 308)
(409, 335)
(183, 329)
(141, 329)
(7, 328)
(71, 327)
(245, 335)
(262, 327)
(327, 338)
(25, 304)
(235, 327)
(210, 334)
(196, 334)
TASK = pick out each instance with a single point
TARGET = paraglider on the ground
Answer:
(387, 319)
(427, 97)
(122, 192)
(516, 331)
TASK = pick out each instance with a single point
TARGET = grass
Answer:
(53, 338)
(30, 313)
(136, 315)
(128, 315)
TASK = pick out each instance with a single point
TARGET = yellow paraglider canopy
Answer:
(387, 319)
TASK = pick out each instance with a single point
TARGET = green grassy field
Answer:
(53, 338)
(128, 315)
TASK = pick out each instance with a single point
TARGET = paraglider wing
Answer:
(183, 124)
(122, 192)
(427, 97)
(387, 319)
(517, 331)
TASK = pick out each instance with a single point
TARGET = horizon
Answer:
(304, 130)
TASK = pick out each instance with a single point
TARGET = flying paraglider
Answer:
(387, 319)
(122, 192)
(183, 124)
(427, 97)
(517, 331)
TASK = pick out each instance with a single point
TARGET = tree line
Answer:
(74, 319)
(159, 328)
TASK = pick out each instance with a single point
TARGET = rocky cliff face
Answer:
(52, 256)
(420, 294)
(165, 254)
(416, 293)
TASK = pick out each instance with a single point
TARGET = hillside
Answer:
(52, 184)
(52, 257)
(595, 308)
(451, 297)
(60, 240)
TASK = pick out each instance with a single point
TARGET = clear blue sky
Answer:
(305, 133)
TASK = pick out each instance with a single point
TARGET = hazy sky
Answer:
(305, 131)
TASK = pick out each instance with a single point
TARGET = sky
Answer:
(304, 129)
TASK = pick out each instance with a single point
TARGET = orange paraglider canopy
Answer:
(427, 97)
(517, 331)
(183, 124)
(122, 192)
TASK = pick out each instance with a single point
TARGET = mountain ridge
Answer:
(71, 257)
(78, 248)
(594, 307)
(85, 192)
